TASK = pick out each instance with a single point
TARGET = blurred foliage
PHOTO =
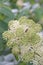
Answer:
(13, 3)
(37, 14)
(5, 16)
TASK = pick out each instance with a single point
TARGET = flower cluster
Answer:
(22, 37)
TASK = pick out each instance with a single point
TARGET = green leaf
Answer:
(5, 16)
(38, 14)
(7, 12)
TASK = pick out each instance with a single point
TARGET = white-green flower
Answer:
(23, 38)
